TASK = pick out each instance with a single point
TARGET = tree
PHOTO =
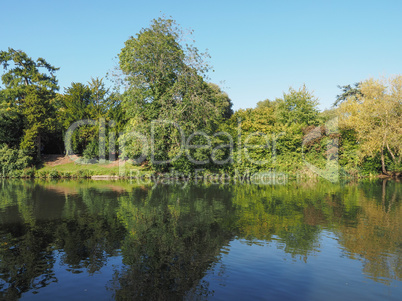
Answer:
(165, 82)
(74, 104)
(347, 91)
(298, 106)
(25, 73)
(11, 122)
(376, 116)
(89, 101)
(29, 92)
(268, 103)
(39, 118)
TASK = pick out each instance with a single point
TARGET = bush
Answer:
(54, 174)
(66, 175)
(15, 173)
(82, 173)
(42, 174)
(12, 160)
(28, 173)
(91, 151)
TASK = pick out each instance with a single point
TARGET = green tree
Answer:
(165, 82)
(24, 73)
(298, 106)
(268, 103)
(347, 91)
(11, 122)
(74, 104)
(89, 101)
(29, 92)
(271, 135)
(39, 119)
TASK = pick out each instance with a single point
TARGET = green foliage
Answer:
(270, 136)
(167, 96)
(347, 91)
(375, 114)
(66, 175)
(90, 102)
(11, 122)
(12, 160)
(39, 119)
(83, 173)
(28, 173)
(165, 84)
(268, 103)
(29, 93)
(92, 150)
(298, 107)
(25, 73)
(54, 174)
(74, 104)
(42, 174)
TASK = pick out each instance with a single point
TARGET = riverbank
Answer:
(74, 167)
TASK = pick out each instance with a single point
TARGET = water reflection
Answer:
(169, 238)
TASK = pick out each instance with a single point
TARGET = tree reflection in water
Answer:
(170, 237)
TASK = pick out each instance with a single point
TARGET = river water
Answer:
(99, 240)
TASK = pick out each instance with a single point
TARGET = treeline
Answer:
(163, 113)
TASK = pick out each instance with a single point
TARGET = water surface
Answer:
(119, 240)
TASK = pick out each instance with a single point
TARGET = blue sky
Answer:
(259, 48)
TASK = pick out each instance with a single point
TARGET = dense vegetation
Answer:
(164, 114)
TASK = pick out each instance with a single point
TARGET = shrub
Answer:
(15, 173)
(12, 160)
(82, 173)
(42, 174)
(66, 175)
(92, 150)
(28, 173)
(54, 174)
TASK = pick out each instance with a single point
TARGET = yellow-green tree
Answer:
(376, 116)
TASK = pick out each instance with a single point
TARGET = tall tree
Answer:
(11, 122)
(40, 118)
(347, 91)
(165, 82)
(29, 91)
(89, 101)
(26, 72)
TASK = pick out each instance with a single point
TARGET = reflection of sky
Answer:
(260, 271)
(264, 271)
(77, 286)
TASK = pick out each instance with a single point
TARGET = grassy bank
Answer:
(76, 170)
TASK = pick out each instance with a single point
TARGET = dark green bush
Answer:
(12, 160)
(54, 174)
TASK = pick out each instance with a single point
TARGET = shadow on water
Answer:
(169, 237)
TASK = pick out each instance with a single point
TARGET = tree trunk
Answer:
(391, 153)
(384, 171)
(39, 143)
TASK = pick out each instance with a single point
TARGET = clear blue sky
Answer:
(259, 48)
